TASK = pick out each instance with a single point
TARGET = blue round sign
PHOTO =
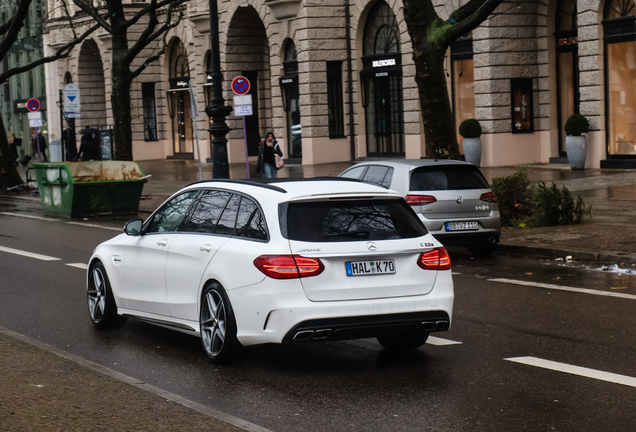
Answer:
(33, 105)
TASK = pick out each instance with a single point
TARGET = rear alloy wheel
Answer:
(101, 303)
(218, 326)
(405, 341)
(482, 249)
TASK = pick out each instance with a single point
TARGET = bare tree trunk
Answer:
(9, 176)
(120, 100)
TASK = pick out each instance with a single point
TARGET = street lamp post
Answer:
(217, 110)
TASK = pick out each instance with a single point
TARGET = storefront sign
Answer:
(382, 63)
(287, 81)
(568, 41)
(381, 74)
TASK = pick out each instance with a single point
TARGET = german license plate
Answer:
(376, 267)
(461, 226)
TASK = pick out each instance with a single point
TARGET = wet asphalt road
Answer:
(357, 386)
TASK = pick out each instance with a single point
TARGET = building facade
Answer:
(15, 92)
(521, 74)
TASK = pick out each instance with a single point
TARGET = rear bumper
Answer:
(277, 312)
(367, 326)
(467, 238)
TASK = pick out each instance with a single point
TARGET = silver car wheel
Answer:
(97, 295)
(213, 323)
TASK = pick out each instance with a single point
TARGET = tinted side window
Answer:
(228, 217)
(354, 173)
(250, 222)
(207, 212)
(376, 174)
(169, 217)
(359, 220)
(449, 177)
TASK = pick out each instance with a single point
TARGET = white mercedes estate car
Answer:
(242, 263)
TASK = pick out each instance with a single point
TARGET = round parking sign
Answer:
(33, 105)
(240, 85)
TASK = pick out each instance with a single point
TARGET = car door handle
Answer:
(205, 248)
(162, 242)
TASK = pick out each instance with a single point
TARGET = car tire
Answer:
(405, 341)
(218, 325)
(482, 249)
(101, 303)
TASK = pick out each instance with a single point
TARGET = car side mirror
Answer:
(133, 227)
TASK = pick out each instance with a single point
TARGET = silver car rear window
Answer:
(352, 220)
(447, 177)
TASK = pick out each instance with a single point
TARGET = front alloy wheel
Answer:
(218, 327)
(101, 304)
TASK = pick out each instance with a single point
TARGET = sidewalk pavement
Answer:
(44, 388)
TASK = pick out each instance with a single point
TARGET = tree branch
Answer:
(93, 12)
(163, 30)
(60, 53)
(142, 41)
(13, 29)
(159, 5)
(472, 21)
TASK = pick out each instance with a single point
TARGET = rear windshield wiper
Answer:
(357, 234)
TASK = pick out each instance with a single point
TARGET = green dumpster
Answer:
(78, 189)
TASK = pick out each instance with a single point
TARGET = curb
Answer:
(544, 251)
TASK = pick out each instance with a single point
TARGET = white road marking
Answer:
(565, 288)
(455, 273)
(28, 254)
(78, 265)
(432, 340)
(95, 226)
(20, 215)
(576, 370)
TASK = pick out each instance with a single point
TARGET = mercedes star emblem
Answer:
(371, 246)
(459, 200)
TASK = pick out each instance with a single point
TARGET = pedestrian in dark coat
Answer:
(87, 150)
(266, 160)
(14, 143)
(39, 140)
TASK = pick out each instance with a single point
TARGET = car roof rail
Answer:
(243, 182)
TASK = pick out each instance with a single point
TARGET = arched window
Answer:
(179, 101)
(382, 83)
(619, 26)
(290, 90)
(381, 33)
(567, 65)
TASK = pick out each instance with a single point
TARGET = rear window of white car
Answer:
(351, 220)
(447, 177)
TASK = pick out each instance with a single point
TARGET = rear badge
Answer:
(459, 199)
(308, 250)
(371, 246)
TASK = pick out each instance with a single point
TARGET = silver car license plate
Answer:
(461, 226)
(376, 267)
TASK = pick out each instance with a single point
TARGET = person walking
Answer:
(14, 143)
(38, 144)
(87, 150)
(266, 160)
(70, 144)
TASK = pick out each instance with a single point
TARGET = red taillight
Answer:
(419, 199)
(288, 266)
(489, 197)
(437, 259)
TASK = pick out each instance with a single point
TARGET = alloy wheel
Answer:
(97, 295)
(213, 323)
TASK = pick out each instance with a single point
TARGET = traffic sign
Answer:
(240, 85)
(71, 98)
(33, 105)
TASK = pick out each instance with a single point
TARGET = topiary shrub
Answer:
(470, 128)
(576, 125)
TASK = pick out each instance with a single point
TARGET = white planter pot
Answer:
(576, 147)
(472, 150)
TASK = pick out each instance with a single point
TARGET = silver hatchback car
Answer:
(452, 198)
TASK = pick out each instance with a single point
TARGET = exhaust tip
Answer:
(429, 326)
(303, 335)
(441, 325)
(492, 240)
(322, 334)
